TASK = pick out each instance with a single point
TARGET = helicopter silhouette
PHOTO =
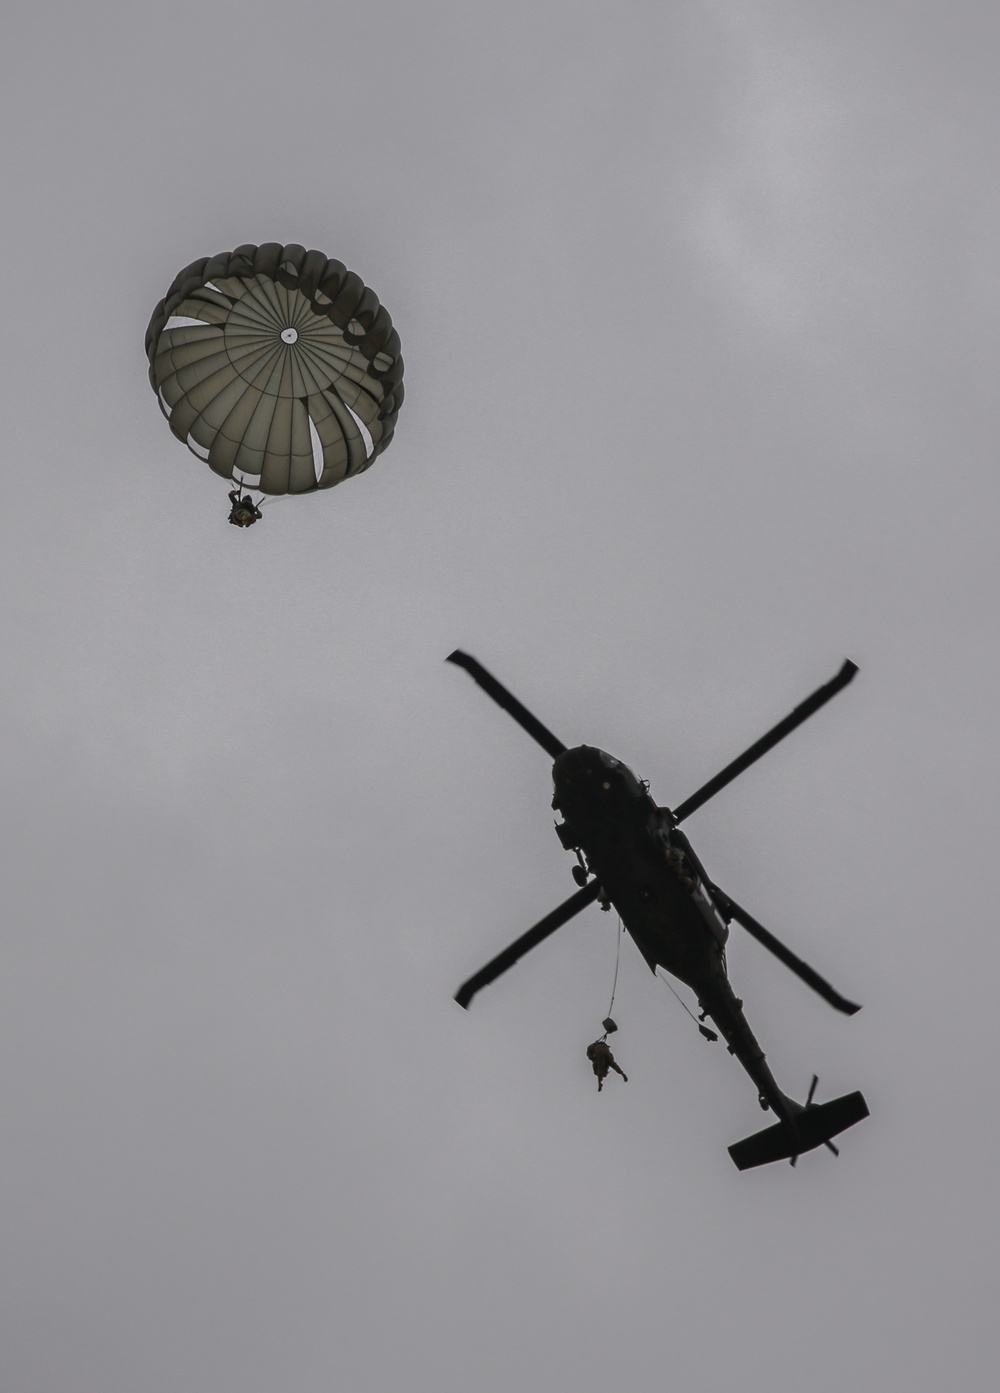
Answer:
(632, 854)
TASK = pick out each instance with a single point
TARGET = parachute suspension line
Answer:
(687, 1008)
(708, 1034)
(249, 488)
(608, 1022)
(618, 958)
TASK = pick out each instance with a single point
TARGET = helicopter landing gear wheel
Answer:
(580, 875)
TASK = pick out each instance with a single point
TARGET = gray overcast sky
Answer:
(699, 308)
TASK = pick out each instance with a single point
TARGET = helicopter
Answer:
(631, 854)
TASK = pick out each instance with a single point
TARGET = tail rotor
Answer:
(809, 1103)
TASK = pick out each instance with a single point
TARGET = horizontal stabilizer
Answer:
(812, 1127)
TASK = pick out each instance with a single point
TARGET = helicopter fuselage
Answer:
(632, 855)
(647, 869)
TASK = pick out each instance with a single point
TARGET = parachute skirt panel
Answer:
(277, 366)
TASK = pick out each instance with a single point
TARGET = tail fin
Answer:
(811, 1127)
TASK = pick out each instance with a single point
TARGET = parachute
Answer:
(277, 367)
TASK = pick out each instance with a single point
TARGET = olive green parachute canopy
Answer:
(274, 364)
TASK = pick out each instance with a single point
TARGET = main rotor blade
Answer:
(819, 984)
(510, 703)
(767, 742)
(527, 941)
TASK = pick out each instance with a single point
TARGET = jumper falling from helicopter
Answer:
(632, 853)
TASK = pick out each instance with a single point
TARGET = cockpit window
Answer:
(622, 770)
(631, 782)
